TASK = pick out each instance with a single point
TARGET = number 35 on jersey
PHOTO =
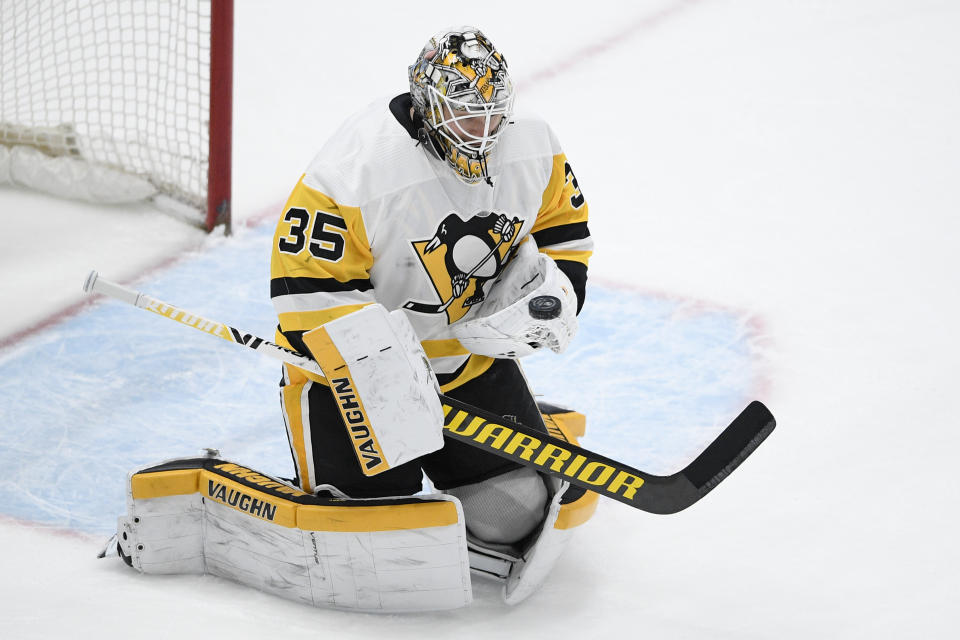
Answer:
(320, 232)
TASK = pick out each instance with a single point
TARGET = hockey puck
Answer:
(545, 307)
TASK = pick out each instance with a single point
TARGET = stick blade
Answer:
(670, 494)
(731, 447)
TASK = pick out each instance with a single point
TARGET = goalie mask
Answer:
(462, 92)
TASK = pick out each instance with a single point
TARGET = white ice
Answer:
(792, 164)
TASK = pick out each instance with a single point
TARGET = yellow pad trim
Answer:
(242, 498)
(364, 440)
(577, 512)
(287, 513)
(292, 397)
(379, 518)
(165, 483)
(569, 426)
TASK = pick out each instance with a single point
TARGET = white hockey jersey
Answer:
(378, 218)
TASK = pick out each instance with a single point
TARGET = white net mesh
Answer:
(122, 84)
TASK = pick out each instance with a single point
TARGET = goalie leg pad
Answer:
(383, 384)
(529, 572)
(524, 569)
(211, 516)
(504, 509)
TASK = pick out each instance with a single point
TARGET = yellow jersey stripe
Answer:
(306, 245)
(557, 207)
(574, 256)
(307, 320)
(443, 348)
(476, 366)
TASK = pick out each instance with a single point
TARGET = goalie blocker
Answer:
(383, 386)
(399, 554)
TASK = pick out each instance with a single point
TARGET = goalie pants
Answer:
(323, 453)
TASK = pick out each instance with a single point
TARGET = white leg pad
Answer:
(385, 555)
(524, 573)
(529, 572)
(523, 570)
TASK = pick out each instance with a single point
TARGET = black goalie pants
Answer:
(323, 453)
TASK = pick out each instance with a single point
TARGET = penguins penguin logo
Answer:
(461, 257)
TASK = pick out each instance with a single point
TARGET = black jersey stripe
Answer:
(577, 272)
(561, 233)
(287, 286)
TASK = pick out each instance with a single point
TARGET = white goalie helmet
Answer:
(461, 89)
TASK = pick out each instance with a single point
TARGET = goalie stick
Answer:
(520, 443)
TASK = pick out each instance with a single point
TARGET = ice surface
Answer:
(132, 388)
(772, 180)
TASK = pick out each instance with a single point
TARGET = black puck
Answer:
(544, 307)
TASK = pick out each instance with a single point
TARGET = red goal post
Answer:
(119, 101)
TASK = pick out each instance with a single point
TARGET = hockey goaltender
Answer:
(404, 262)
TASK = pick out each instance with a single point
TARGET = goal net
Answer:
(119, 100)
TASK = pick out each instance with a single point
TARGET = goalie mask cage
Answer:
(140, 87)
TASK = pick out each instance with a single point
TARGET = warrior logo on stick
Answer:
(461, 257)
